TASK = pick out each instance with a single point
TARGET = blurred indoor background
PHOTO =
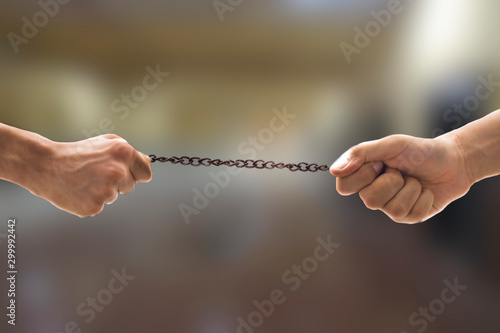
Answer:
(225, 79)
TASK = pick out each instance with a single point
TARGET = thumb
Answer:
(347, 163)
(370, 151)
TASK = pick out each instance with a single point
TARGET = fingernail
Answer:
(378, 166)
(340, 163)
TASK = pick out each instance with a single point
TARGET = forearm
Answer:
(78, 177)
(479, 142)
(24, 157)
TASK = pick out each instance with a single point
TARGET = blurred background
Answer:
(230, 65)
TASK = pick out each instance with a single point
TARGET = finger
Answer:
(402, 203)
(422, 208)
(140, 167)
(383, 189)
(100, 196)
(346, 164)
(127, 184)
(112, 198)
(360, 179)
(370, 151)
(90, 208)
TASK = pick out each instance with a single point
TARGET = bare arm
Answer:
(78, 177)
(479, 141)
(435, 171)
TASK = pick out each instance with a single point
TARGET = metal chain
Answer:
(250, 164)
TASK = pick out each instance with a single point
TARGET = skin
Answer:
(422, 176)
(77, 177)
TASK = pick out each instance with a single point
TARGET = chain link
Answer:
(249, 164)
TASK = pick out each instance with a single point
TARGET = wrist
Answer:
(39, 164)
(468, 156)
(479, 143)
(27, 159)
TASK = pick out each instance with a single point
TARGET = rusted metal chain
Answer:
(249, 164)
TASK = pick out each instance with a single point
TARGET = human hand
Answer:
(422, 176)
(85, 175)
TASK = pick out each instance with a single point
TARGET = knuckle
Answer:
(399, 141)
(114, 174)
(127, 187)
(367, 174)
(120, 174)
(92, 208)
(413, 182)
(357, 150)
(418, 214)
(370, 199)
(394, 181)
(126, 190)
(111, 136)
(343, 188)
(97, 209)
(398, 211)
(121, 150)
(403, 221)
(409, 220)
(107, 193)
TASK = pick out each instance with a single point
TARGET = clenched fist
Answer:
(412, 179)
(90, 173)
(78, 177)
(421, 177)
